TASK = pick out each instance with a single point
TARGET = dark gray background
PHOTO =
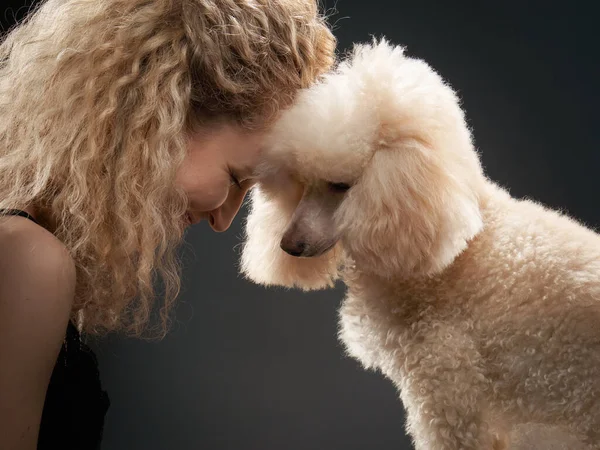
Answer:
(249, 368)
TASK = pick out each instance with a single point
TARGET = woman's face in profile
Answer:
(216, 173)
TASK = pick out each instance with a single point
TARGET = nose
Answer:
(216, 221)
(221, 218)
(293, 247)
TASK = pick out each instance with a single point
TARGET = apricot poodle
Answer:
(482, 309)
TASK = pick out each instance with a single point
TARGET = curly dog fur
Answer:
(484, 310)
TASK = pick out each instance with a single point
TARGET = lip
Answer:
(326, 249)
(194, 219)
(319, 251)
(191, 219)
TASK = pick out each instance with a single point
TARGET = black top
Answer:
(75, 406)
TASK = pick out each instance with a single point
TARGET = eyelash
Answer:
(339, 187)
(234, 179)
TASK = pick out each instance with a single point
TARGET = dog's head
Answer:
(375, 163)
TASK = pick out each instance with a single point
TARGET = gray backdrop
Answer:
(248, 368)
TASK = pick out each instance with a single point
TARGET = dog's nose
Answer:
(294, 248)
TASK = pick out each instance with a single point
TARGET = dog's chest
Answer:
(377, 326)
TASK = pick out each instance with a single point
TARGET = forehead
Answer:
(228, 144)
(245, 151)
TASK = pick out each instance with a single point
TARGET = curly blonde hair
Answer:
(97, 99)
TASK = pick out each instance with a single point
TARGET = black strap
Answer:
(17, 212)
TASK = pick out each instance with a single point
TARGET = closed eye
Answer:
(234, 180)
(338, 187)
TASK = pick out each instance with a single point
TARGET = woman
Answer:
(122, 122)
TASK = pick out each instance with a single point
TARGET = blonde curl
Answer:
(97, 98)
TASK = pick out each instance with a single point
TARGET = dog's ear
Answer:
(414, 209)
(272, 205)
(416, 205)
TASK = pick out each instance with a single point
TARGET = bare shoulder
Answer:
(37, 286)
(34, 260)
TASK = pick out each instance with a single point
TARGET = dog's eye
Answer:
(338, 187)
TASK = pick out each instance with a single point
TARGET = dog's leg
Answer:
(443, 392)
